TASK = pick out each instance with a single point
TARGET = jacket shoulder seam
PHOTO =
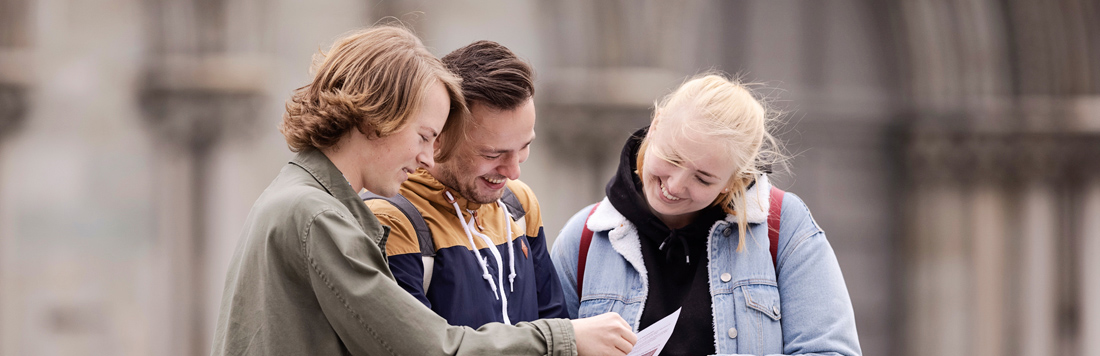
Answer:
(793, 246)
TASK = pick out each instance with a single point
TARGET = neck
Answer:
(345, 164)
(447, 180)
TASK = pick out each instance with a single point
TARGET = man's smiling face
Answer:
(496, 142)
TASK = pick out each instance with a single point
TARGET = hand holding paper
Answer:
(653, 339)
(604, 334)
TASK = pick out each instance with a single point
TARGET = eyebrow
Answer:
(705, 173)
(679, 161)
(432, 131)
(503, 151)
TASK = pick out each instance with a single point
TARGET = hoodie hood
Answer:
(624, 191)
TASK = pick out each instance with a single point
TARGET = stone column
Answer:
(1042, 160)
(1038, 279)
(936, 247)
(14, 83)
(1090, 266)
(205, 83)
(989, 228)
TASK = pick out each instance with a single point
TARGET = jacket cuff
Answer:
(560, 340)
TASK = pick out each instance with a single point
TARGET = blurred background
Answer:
(949, 148)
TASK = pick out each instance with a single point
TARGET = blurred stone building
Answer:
(947, 147)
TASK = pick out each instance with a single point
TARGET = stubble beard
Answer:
(466, 189)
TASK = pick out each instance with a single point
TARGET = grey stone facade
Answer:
(947, 147)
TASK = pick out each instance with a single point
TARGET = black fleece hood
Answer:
(624, 191)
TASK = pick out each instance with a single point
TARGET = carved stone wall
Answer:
(1000, 160)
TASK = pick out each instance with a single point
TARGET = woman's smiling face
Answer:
(682, 171)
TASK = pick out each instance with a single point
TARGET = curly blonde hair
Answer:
(372, 80)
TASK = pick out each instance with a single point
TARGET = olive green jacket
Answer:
(309, 277)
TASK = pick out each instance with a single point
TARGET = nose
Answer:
(426, 158)
(510, 169)
(675, 183)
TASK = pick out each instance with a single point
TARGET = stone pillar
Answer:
(13, 105)
(14, 84)
(1090, 266)
(1038, 279)
(205, 83)
(937, 241)
(989, 228)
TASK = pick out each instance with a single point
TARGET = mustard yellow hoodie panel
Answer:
(402, 237)
(427, 195)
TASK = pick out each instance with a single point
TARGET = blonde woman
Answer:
(309, 276)
(685, 227)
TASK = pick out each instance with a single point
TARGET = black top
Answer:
(676, 260)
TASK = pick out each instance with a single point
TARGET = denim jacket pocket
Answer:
(760, 330)
(597, 306)
(763, 298)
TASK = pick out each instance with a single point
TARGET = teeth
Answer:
(664, 192)
(495, 181)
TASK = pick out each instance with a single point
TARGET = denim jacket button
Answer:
(727, 231)
(733, 333)
(726, 277)
(775, 309)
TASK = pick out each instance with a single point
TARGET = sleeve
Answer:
(402, 248)
(550, 298)
(817, 312)
(374, 316)
(564, 254)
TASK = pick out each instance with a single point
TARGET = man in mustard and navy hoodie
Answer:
(467, 237)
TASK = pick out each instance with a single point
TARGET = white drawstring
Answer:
(468, 227)
(511, 253)
(484, 268)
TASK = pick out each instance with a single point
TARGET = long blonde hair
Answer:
(726, 111)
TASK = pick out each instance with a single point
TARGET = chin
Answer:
(386, 191)
(487, 197)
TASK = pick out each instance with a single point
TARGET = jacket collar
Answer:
(424, 184)
(332, 180)
(606, 217)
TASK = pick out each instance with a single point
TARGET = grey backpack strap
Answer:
(423, 235)
(514, 207)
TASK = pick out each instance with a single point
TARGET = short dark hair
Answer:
(491, 74)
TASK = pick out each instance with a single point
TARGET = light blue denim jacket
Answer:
(805, 311)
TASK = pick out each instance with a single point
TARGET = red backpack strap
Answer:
(582, 254)
(774, 210)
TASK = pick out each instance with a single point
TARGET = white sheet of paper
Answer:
(653, 339)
